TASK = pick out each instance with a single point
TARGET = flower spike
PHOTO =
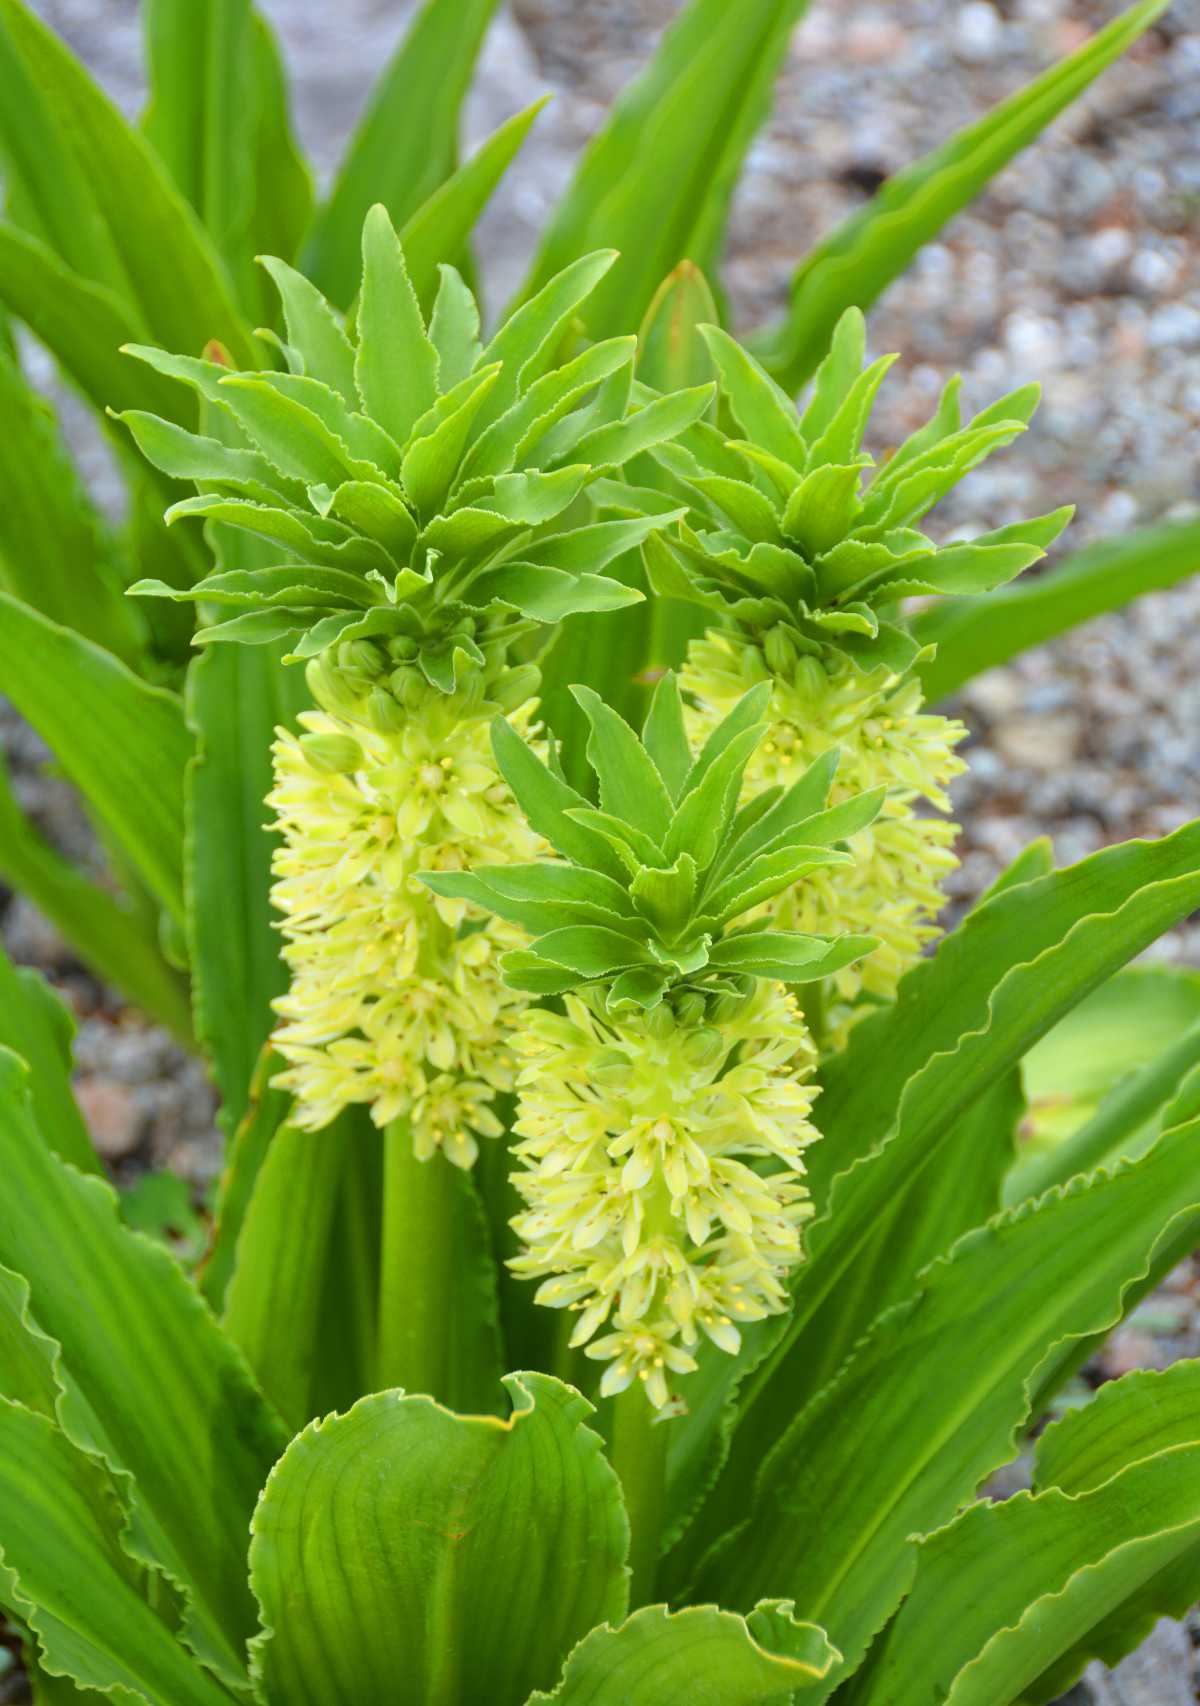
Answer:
(663, 1115)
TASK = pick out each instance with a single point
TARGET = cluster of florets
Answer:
(395, 1001)
(662, 1173)
(893, 887)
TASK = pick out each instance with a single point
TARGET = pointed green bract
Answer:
(790, 527)
(669, 845)
(431, 468)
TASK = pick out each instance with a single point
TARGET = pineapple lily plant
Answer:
(626, 1275)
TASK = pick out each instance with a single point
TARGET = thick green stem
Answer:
(416, 1271)
(639, 1455)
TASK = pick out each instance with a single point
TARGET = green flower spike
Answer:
(800, 548)
(663, 1114)
(415, 481)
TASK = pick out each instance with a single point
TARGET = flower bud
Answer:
(515, 686)
(361, 657)
(333, 754)
(384, 712)
(780, 651)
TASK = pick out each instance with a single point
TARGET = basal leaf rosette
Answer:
(427, 498)
(664, 1111)
(801, 548)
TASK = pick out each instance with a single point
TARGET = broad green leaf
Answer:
(36, 1025)
(974, 634)
(840, 1542)
(657, 181)
(73, 1582)
(29, 1374)
(862, 257)
(236, 697)
(121, 742)
(1127, 1419)
(891, 1100)
(217, 119)
(407, 143)
(54, 552)
(1013, 1591)
(112, 168)
(167, 1397)
(272, 1303)
(118, 941)
(704, 1656)
(464, 1555)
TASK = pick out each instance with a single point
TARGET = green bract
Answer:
(417, 482)
(792, 524)
(651, 883)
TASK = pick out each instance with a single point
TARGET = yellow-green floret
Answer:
(395, 1000)
(893, 888)
(662, 1173)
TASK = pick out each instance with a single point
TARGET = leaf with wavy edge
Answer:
(702, 1655)
(65, 1571)
(459, 1556)
(974, 634)
(122, 742)
(858, 260)
(961, 1019)
(167, 1398)
(1009, 1597)
(872, 1461)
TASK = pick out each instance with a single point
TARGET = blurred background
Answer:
(1080, 267)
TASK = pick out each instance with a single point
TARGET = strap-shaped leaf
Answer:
(656, 182)
(704, 1656)
(272, 1306)
(443, 224)
(122, 742)
(119, 942)
(407, 142)
(36, 1025)
(861, 258)
(83, 324)
(891, 1099)
(465, 1555)
(987, 1332)
(69, 118)
(166, 1395)
(55, 552)
(1024, 1592)
(972, 634)
(72, 1581)
(236, 697)
(217, 119)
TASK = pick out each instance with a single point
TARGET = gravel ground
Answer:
(1079, 268)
